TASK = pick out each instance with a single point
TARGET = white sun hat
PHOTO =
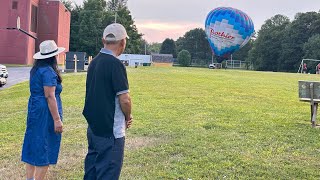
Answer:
(117, 30)
(48, 49)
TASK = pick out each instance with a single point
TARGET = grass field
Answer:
(188, 123)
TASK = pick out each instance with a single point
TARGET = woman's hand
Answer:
(58, 126)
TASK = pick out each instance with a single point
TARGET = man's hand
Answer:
(129, 122)
(58, 126)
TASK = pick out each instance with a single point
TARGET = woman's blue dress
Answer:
(41, 144)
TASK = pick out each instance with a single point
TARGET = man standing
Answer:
(107, 107)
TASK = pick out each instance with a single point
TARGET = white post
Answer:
(145, 49)
(63, 63)
(75, 63)
(212, 58)
(115, 17)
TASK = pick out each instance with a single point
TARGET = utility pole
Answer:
(145, 48)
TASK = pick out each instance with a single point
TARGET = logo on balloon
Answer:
(228, 30)
(220, 34)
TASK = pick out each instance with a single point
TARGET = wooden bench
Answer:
(309, 91)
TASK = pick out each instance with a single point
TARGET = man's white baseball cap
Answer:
(117, 32)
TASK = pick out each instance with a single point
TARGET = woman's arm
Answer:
(49, 92)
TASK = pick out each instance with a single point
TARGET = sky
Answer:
(161, 19)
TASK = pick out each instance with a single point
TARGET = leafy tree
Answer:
(195, 41)
(91, 27)
(88, 22)
(304, 26)
(144, 47)
(169, 47)
(74, 28)
(243, 53)
(115, 5)
(184, 58)
(67, 4)
(265, 55)
(154, 48)
(119, 8)
(312, 48)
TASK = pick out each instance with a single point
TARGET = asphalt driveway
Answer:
(17, 75)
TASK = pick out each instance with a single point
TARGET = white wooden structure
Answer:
(135, 59)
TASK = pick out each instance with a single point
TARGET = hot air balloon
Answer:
(228, 30)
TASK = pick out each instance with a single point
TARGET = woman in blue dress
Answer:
(44, 121)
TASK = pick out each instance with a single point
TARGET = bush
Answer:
(184, 58)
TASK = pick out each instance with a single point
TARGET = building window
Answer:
(14, 4)
(34, 18)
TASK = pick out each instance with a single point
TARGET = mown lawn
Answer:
(188, 123)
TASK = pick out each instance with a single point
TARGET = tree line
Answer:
(279, 45)
(89, 20)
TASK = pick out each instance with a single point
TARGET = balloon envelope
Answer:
(228, 30)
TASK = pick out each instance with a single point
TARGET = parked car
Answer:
(212, 66)
(4, 71)
(3, 80)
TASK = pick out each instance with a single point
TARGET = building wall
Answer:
(53, 23)
(31, 48)
(14, 45)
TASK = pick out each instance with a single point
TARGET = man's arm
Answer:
(125, 104)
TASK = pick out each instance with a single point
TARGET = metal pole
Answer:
(314, 106)
(75, 63)
(212, 58)
(301, 66)
(145, 48)
(63, 63)
(115, 17)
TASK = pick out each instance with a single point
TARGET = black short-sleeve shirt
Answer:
(106, 78)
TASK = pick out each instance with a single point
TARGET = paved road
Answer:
(17, 75)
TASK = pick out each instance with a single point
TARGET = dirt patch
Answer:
(135, 143)
(71, 159)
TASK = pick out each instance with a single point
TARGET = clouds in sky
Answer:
(159, 19)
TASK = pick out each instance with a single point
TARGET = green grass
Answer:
(188, 123)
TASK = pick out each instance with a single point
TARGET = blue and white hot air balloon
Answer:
(228, 30)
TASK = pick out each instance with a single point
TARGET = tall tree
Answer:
(88, 22)
(184, 58)
(91, 27)
(115, 5)
(266, 52)
(154, 48)
(67, 4)
(75, 27)
(243, 53)
(304, 26)
(312, 48)
(119, 9)
(195, 42)
(169, 47)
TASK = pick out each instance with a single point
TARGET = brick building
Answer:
(44, 19)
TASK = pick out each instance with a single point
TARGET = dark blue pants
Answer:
(104, 158)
